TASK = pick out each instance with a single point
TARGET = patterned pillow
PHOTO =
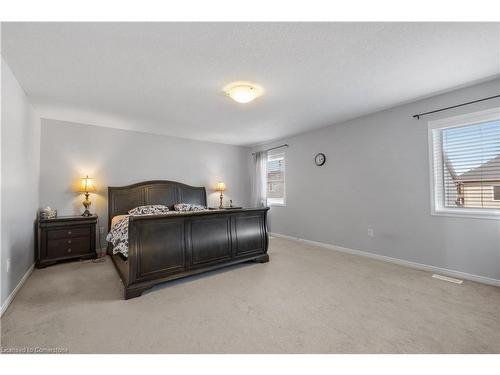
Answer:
(155, 209)
(184, 207)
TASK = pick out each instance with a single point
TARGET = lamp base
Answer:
(220, 204)
(86, 203)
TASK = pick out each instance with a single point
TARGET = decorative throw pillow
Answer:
(184, 207)
(155, 209)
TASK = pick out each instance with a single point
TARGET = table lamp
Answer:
(86, 187)
(221, 186)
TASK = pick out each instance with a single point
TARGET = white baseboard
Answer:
(10, 298)
(401, 262)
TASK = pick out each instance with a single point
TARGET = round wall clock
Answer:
(320, 159)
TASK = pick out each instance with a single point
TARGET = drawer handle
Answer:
(69, 241)
(69, 250)
(69, 232)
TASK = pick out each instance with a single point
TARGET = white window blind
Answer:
(466, 164)
(276, 177)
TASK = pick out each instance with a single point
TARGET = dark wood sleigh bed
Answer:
(168, 247)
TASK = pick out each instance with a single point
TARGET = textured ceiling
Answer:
(167, 78)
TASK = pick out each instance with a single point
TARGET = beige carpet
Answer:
(305, 300)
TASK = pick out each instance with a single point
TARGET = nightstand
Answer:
(64, 238)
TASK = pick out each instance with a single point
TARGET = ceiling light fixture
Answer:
(243, 92)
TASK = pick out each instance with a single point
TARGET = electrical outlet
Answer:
(371, 232)
(8, 265)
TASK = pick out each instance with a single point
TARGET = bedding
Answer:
(116, 219)
(155, 209)
(118, 235)
(186, 207)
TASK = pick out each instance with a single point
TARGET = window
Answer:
(465, 165)
(275, 181)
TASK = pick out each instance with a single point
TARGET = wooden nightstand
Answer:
(66, 237)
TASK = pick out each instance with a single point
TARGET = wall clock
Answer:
(320, 159)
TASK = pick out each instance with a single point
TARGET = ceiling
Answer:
(167, 78)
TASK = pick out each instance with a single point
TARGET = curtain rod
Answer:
(272, 148)
(418, 115)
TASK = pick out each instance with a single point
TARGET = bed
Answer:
(167, 247)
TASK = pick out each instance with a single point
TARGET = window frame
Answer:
(436, 170)
(269, 201)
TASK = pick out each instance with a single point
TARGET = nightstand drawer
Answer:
(67, 247)
(73, 232)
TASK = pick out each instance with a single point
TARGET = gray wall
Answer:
(377, 176)
(114, 157)
(20, 155)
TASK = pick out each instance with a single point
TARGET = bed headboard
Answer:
(123, 198)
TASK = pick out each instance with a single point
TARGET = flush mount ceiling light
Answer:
(243, 92)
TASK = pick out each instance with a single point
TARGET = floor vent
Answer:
(446, 278)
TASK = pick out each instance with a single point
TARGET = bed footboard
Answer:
(168, 247)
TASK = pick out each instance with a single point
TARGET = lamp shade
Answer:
(87, 185)
(221, 186)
